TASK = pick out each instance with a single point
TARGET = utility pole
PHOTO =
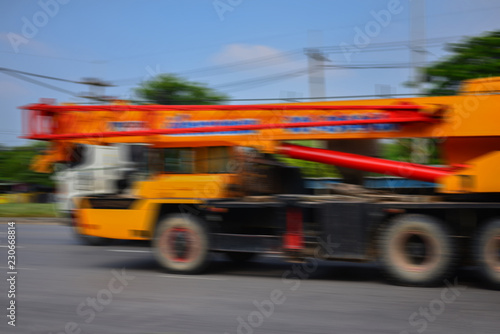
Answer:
(417, 43)
(420, 147)
(316, 61)
(290, 96)
(95, 85)
(96, 89)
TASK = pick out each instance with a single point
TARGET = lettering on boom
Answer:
(127, 126)
(184, 122)
(381, 127)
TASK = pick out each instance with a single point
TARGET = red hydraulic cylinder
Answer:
(360, 162)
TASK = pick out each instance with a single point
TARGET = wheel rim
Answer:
(492, 253)
(415, 251)
(180, 245)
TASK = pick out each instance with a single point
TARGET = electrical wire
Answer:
(209, 70)
(388, 46)
(261, 61)
(259, 81)
(242, 64)
(249, 83)
(39, 83)
(4, 69)
(340, 97)
(374, 66)
(46, 56)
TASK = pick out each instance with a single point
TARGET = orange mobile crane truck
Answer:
(211, 182)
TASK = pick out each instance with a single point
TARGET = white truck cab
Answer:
(94, 170)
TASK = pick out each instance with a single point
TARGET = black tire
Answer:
(240, 257)
(181, 244)
(487, 253)
(416, 250)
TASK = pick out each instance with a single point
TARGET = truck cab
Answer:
(92, 169)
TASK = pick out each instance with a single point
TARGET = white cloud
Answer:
(241, 52)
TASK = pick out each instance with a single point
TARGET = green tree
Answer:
(170, 89)
(15, 164)
(476, 57)
(310, 168)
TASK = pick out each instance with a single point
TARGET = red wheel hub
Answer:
(180, 244)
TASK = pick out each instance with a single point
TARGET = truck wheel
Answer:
(240, 256)
(416, 250)
(487, 253)
(181, 244)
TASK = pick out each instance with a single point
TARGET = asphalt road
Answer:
(65, 287)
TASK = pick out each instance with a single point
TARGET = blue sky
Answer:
(126, 42)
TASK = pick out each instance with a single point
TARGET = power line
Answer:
(374, 47)
(209, 70)
(46, 56)
(253, 61)
(259, 81)
(24, 76)
(4, 69)
(387, 46)
(245, 84)
(373, 66)
(216, 69)
(39, 83)
(339, 97)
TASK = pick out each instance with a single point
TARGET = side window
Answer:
(178, 160)
(156, 163)
(79, 155)
(218, 159)
(139, 155)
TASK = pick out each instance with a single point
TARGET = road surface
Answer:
(65, 287)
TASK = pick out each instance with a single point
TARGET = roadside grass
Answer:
(28, 210)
